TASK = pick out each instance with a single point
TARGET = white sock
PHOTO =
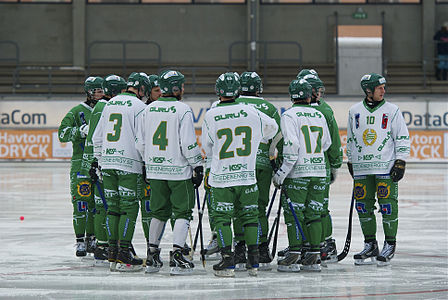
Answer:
(155, 232)
(180, 232)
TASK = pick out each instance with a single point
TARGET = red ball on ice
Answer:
(22, 218)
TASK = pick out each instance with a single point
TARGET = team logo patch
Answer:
(84, 189)
(82, 206)
(386, 209)
(360, 191)
(384, 121)
(147, 190)
(383, 190)
(369, 137)
(361, 207)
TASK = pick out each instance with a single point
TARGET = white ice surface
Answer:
(37, 255)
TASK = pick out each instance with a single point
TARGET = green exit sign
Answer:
(359, 15)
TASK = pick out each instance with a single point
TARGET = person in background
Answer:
(441, 37)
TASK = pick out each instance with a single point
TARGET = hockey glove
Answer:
(397, 171)
(198, 175)
(350, 168)
(278, 178)
(84, 130)
(333, 175)
(207, 174)
(95, 172)
(144, 174)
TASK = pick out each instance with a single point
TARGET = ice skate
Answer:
(101, 256)
(289, 262)
(282, 253)
(265, 257)
(81, 249)
(329, 253)
(311, 261)
(153, 261)
(240, 256)
(226, 267)
(370, 251)
(212, 250)
(126, 262)
(112, 258)
(90, 244)
(388, 252)
(179, 264)
(187, 252)
(252, 264)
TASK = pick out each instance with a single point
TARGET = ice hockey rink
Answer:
(38, 260)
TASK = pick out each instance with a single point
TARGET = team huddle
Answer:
(131, 156)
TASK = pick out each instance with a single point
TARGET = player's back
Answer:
(167, 127)
(307, 128)
(234, 134)
(116, 131)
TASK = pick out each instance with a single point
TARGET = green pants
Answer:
(211, 216)
(171, 199)
(307, 198)
(327, 225)
(365, 189)
(100, 214)
(145, 208)
(239, 203)
(83, 204)
(264, 177)
(122, 190)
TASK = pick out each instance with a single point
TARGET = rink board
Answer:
(43, 144)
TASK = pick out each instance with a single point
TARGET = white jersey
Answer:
(376, 138)
(208, 161)
(231, 134)
(167, 141)
(114, 137)
(306, 137)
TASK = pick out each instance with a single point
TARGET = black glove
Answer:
(94, 171)
(198, 174)
(144, 174)
(350, 168)
(397, 171)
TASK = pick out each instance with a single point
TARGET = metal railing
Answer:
(17, 85)
(124, 57)
(264, 60)
(16, 59)
(194, 75)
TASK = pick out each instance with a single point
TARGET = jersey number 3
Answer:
(117, 120)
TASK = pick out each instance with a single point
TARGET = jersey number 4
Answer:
(159, 138)
(228, 134)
